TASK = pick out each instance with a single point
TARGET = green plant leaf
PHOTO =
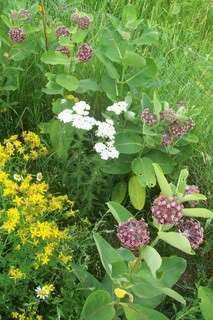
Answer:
(120, 213)
(54, 58)
(176, 240)
(145, 76)
(119, 192)
(166, 162)
(98, 306)
(181, 185)
(60, 136)
(116, 167)
(109, 87)
(143, 167)
(86, 85)
(193, 197)
(138, 312)
(79, 36)
(163, 183)
(133, 59)
(68, 82)
(129, 14)
(197, 212)
(111, 70)
(109, 256)
(173, 294)
(157, 105)
(149, 37)
(152, 258)
(87, 280)
(137, 193)
(128, 143)
(206, 304)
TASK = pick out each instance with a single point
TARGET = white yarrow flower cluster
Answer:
(106, 150)
(118, 107)
(106, 129)
(79, 117)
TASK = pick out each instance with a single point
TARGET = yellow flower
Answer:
(45, 291)
(120, 293)
(10, 188)
(16, 274)
(66, 259)
(12, 221)
(31, 138)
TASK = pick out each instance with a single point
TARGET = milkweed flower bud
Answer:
(133, 234)
(64, 50)
(190, 189)
(83, 22)
(17, 34)
(166, 139)
(148, 117)
(167, 210)
(25, 15)
(168, 115)
(84, 53)
(62, 31)
(193, 231)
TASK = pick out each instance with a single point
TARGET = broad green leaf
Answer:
(181, 185)
(86, 85)
(143, 167)
(166, 162)
(206, 304)
(157, 105)
(68, 82)
(129, 14)
(128, 143)
(119, 192)
(138, 312)
(173, 294)
(137, 193)
(109, 86)
(145, 76)
(176, 240)
(60, 136)
(193, 197)
(133, 59)
(109, 256)
(54, 58)
(79, 36)
(111, 70)
(120, 213)
(116, 167)
(98, 306)
(152, 258)
(149, 37)
(87, 280)
(198, 212)
(163, 183)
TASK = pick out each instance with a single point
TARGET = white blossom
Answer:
(118, 107)
(81, 108)
(106, 150)
(65, 116)
(106, 129)
(83, 122)
(17, 177)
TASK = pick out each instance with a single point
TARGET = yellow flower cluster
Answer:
(30, 214)
(28, 147)
(24, 316)
(16, 274)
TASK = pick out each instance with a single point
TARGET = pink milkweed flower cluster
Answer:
(85, 52)
(167, 210)
(133, 234)
(193, 231)
(17, 34)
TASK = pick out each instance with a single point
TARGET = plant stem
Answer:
(44, 21)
